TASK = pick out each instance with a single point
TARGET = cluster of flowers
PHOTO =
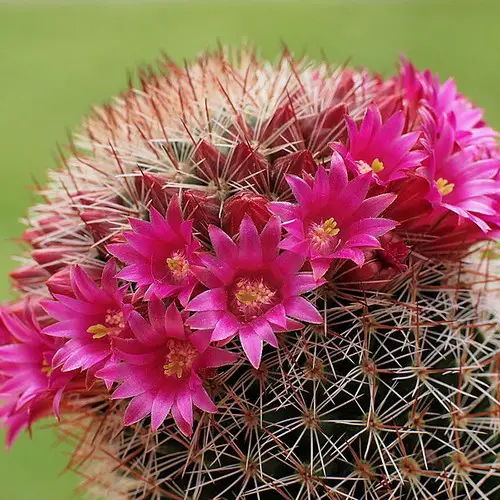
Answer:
(163, 313)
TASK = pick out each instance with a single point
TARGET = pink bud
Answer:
(320, 129)
(151, 187)
(241, 204)
(381, 265)
(282, 129)
(202, 208)
(36, 235)
(53, 258)
(411, 205)
(26, 307)
(100, 223)
(28, 277)
(60, 282)
(389, 100)
(209, 161)
(296, 163)
(394, 251)
(247, 164)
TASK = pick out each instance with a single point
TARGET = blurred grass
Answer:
(56, 61)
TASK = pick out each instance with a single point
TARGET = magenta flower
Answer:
(160, 368)
(333, 218)
(460, 182)
(29, 387)
(159, 254)
(380, 149)
(253, 289)
(5, 336)
(91, 320)
(423, 89)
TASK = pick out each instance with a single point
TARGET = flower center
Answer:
(321, 234)
(252, 295)
(180, 358)
(114, 323)
(178, 265)
(375, 167)
(444, 187)
(46, 368)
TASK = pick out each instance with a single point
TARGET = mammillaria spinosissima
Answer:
(267, 281)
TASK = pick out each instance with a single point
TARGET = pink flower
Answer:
(380, 149)
(159, 254)
(460, 182)
(423, 89)
(160, 368)
(17, 420)
(91, 320)
(5, 336)
(253, 288)
(29, 387)
(333, 218)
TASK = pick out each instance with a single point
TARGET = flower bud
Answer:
(296, 163)
(36, 236)
(241, 204)
(202, 208)
(100, 223)
(381, 265)
(53, 258)
(281, 130)
(247, 164)
(151, 187)
(60, 282)
(28, 277)
(322, 128)
(209, 161)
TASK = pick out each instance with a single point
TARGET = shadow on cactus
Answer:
(256, 280)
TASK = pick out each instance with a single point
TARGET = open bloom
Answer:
(160, 368)
(460, 182)
(253, 288)
(333, 217)
(423, 89)
(380, 149)
(159, 254)
(90, 321)
(29, 386)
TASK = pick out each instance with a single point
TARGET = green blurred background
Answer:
(57, 60)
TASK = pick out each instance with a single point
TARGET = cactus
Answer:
(383, 383)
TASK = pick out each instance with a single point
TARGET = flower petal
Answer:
(252, 345)
(161, 407)
(301, 309)
(139, 407)
(211, 300)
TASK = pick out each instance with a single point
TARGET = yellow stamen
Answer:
(321, 234)
(252, 294)
(444, 187)
(330, 227)
(247, 297)
(178, 265)
(46, 368)
(180, 358)
(377, 166)
(98, 331)
(114, 323)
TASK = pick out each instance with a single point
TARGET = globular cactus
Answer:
(267, 281)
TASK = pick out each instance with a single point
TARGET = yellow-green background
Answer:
(57, 60)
